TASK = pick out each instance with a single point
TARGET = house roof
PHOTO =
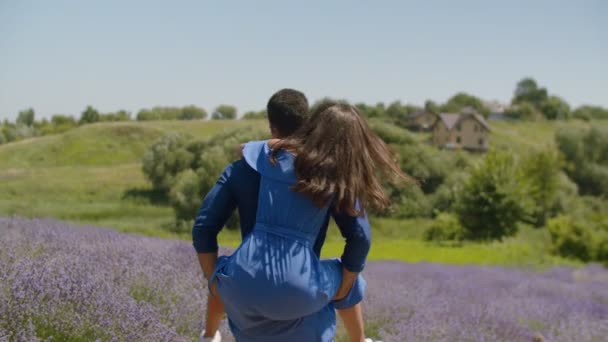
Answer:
(451, 120)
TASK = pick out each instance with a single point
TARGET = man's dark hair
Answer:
(287, 110)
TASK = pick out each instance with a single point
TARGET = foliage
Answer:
(431, 106)
(224, 112)
(444, 199)
(527, 90)
(555, 108)
(89, 115)
(390, 133)
(590, 113)
(192, 112)
(186, 169)
(445, 227)
(492, 201)
(586, 239)
(372, 111)
(165, 159)
(529, 95)
(26, 117)
(539, 174)
(121, 115)
(253, 115)
(461, 101)
(586, 154)
(523, 111)
(185, 195)
(60, 120)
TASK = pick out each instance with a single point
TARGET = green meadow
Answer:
(92, 175)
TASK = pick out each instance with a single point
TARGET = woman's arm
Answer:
(357, 233)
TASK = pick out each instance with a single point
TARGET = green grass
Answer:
(92, 176)
(105, 144)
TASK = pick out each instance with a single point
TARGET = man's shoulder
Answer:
(240, 168)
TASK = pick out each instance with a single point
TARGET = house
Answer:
(468, 131)
(422, 120)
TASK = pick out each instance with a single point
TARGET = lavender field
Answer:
(65, 283)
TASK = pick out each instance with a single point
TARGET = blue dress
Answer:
(274, 287)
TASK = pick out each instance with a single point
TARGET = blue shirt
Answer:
(238, 187)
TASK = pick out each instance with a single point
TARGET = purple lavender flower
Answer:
(63, 282)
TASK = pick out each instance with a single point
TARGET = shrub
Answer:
(446, 227)
(586, 154)
(539, 173)
(89, 115)
(570, 239)
(492, 201)
(192, 113)
(392, 134)
(165, 159)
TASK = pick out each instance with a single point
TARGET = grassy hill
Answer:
(92, 175)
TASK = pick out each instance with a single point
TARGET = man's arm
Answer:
(357, 233)
(217, 207)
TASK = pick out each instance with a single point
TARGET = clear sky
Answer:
(59, 56)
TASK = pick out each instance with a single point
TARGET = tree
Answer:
(590, 113)
(165, 159)
(524, 111)
(224, 112)
(396, 110)
(528, 91)
(253, 115)
(192, 112)
(89, 115)
(555, 108)
(586, 154)
(539, 174)
(460, 101)
(376, 111)
(59, 119)
(492, 201)
(431, 106)
(26, 117)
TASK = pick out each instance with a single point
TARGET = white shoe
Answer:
(216, 338)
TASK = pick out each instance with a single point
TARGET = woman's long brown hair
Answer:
(340, 159)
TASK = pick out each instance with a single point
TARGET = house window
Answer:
(458, 127)
(458, 140)
(480, 141)
(476, 128)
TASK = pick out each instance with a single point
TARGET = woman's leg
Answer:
(215, 312)
(353, 322)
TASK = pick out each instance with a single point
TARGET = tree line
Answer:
(530, 102)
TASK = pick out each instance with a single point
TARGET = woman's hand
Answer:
(348, 280)
(341, 293)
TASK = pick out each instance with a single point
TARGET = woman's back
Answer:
(279, 208)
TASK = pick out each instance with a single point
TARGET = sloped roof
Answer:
(482, 121)
(451, 120)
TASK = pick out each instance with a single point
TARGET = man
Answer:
(238, 187)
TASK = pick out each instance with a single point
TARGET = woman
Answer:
(273, 287)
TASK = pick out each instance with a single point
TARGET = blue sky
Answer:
(59, 56)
